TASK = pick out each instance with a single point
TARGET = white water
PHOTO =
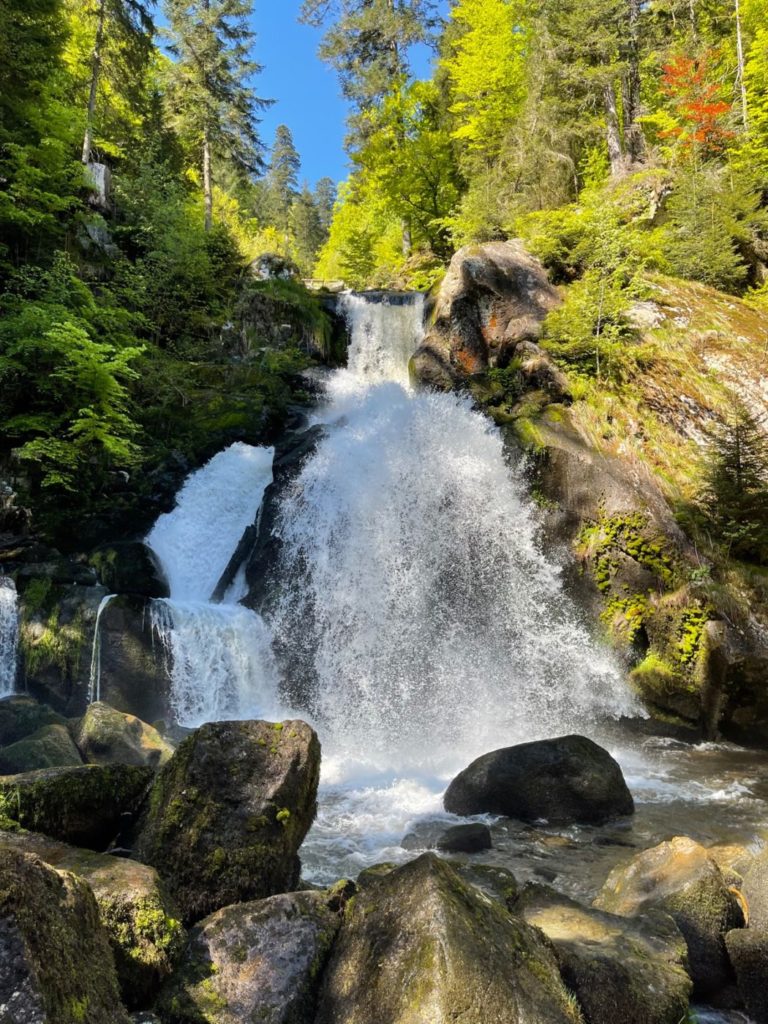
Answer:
(9, 635)
(94, 681)
(218, 656)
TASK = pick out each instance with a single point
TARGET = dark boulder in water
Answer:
(229, 811)
(566, 780)
(471, 838)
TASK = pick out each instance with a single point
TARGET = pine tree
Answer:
(307, 229)
(212, 104)
(325, 200)
(283, 176)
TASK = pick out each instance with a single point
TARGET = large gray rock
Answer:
(107, 736)
(748, 953)
(83, 805)
(680, 878)
(137, 914)
(56, 966)
(228, 813)
(420, 945)
(20, 716)
(564, 780)
(755, 890)
(259, 961)
(494, 296)
(51, 746)
(628, 970)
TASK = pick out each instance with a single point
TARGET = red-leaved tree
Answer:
(698, 107)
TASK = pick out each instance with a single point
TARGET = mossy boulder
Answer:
(51, 746)
(107, 736)
(228, 812)
(20, 716)
(680, 878)
(56, 963)
(755, 890)
(130, 567)
(631, 970)
(748, 953)
(139, 917)
(82, 805)
(259, 961)
(564, 780)
(419, 945)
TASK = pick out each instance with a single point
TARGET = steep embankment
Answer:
(618, 467)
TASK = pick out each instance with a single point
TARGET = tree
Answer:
(307, 229)
(211, 102)
(325, 200)
(283, 176)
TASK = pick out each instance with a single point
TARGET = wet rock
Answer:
(755, 890)
(680, 878)
(748, 953)
(564, 780)
(56, 965)
(82, 805)
(228, 812)
(106, 736)
(628, 970)
(492, 296)
(472, 838)
(420, 945)
(130, 567)
(137, 914)
(259, 961)
(20, 716)
(49, 747)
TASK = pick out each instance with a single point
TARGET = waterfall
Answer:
(9, 635)
(219, 655)
(94, 681)
(385, 330)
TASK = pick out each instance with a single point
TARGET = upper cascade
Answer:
(9, 635)
(385, 330)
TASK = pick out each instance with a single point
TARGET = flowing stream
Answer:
(428, 625)
(9, 635)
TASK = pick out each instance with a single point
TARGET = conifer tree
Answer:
(212, 104)
(325, 200)
(283, 175)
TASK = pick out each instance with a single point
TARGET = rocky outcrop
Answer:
(259, 961)
(492, 299)
(49, 747)
(82, 805)
(632, 971)
(106, 736)
(419, 944)
(681, 879)
(130, 568)
(21, 716)
(565, 780)
(139, 918)
(228, 812)
(748, 954)
(56, 965)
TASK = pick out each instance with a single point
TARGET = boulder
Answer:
(139, 918)
(418, 944)
(493, 296)
(130, 567)
(471, 838)
(56, 966)
(51, 746)
(270, 266)
(259, 961)
(748, 953)
(82, 805)
(631, 970)
(107, 736)
(20, 716)
(680, 878)
(228, 813)
(755, 890)
(562, 781)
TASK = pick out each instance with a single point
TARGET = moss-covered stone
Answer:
(20, 716)
(420, 945)
(228, 812)
(681, 879)
(82, 805)
(107, 736)
(748, 953)
(50, 747)
(142, 923)
(259, 961)
(57, 965)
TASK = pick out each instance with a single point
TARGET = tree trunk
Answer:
(95, 73)
(207, 182)
(613, 131)
(633, 133)
(742, 85)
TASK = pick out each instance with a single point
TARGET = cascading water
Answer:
(219, 655)
(384, 333)
(94, 681)
(9, 635)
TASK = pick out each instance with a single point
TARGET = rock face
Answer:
(632, 971)
(419, 945)
(259, 961)
(106, 736)
(748, 953)
(680, 878)
(130, 567)
(50, 747)
(565, 780)
(82, 805)
(20, 716)
(228, 812)
(493, 297)
(140, 920)
(55, 962)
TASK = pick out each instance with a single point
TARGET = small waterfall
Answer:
(9, 635)
(385, 330)
(219, 655)
(94, 681)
